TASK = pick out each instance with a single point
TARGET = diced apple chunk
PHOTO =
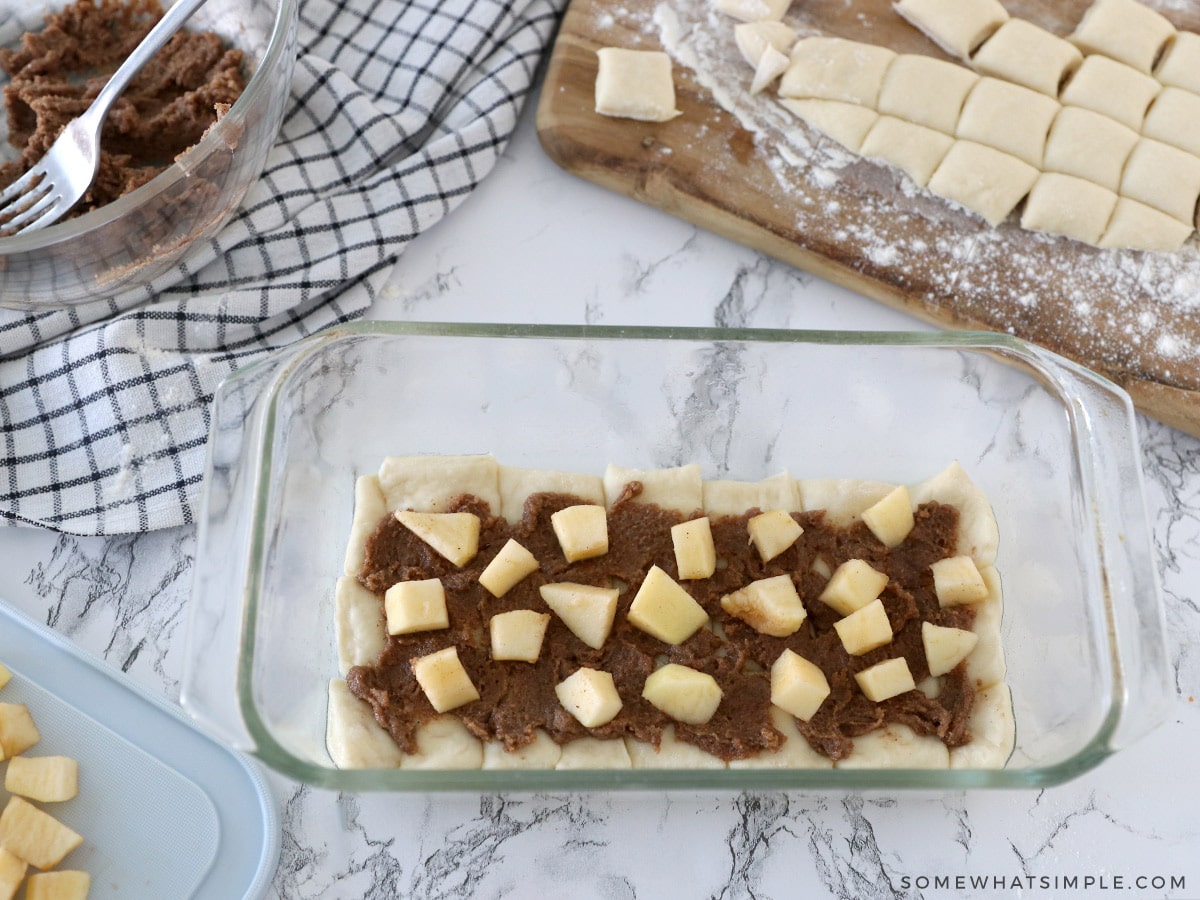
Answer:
(518, 635)
(46, 778)
(582, 531)
(665, 610)
(444, 680)
(945, 647)
(5, 675)
(65, 884)
(769, 605)
(513, 563)
(885, 680)
(12, 873)
(590, 695)
(17, 730)
(685, 694)
(852, 586)
(773, 532)
(865, 629)
(35, 836)
(585, 609)
(412, 606)
(695, 554)
(454, 536)
(798, 686)
(890, 519)
(956, 581)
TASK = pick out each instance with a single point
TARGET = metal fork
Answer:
(45, 193)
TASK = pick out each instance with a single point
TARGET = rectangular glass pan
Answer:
(164, 810)
(1050, 443)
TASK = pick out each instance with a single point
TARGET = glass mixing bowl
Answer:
(134, 240)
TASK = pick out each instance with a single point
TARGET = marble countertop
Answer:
(537, 245)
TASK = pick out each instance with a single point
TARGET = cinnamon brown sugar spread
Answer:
(57, 72)
(516, 699)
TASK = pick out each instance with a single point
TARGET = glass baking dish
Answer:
(1052, 445)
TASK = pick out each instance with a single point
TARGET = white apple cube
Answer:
(773, 532)
(865, 629)
(695, 554)
(885, 680)
(518, 635)
(17, 730)
(891, 518)
(65, 884)
(685, 694)
(582, 531)
(590, 695)
(957, 580)
(798, 686)
(585, 609)
(507, 568)
(12, 873)
(444, 680)
(412, 606)
(664, 610)
(852, 586)
(946, 647)
(35, 836)
(48, 779)
(768, 605)
(5, 675)
(454, 536)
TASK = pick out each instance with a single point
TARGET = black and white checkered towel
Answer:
(399, 108)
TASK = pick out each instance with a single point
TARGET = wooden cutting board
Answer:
(1133, 317)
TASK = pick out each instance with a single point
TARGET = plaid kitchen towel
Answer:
(398, 109)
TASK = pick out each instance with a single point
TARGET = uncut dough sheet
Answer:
(427, 483)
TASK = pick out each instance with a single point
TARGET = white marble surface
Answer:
(537, 245)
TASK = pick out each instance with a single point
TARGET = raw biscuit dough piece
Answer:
(353, 737)
(1112, 89)
(542, 753)
(594, 753)
(1008, 117)
(985, 664)
(993, 734)
(914, 149)
(845, 123)
(925, 91)
(986, 181)
(680, 488)
(369, 507)
(1070, 206)
(635, 84)
(957, 26)
(444, 743)
(842, 499)
(1136, 226)
(420, 482)
(1163, 177)
(772, 64)
(1088, 145)
(753, 10)
(1124, 30)
(1180, 63)
(754, 37)
(517, 484)
(1174, 118)
(671, 753)
(1027, 55)
(359, 624)
(831, 68)
(896, 746)
(978, 535)
(796, 752)
(723, 497)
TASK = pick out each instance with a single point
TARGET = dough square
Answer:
(1112, 89)
(753, 38)
(957, 26)
(753, 10)
(1174, 118)
(986, 181)
(1088, 145)
(1027, 55)
(1163, 177)
(1180, 63)
(925, 91)
(635, 84)
(1136, 226)
(846, 123)
(1008, 117)
(914, 149)
(829, 68)
(1064, 204)
(1123, 30)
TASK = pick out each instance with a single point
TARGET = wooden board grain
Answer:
(1133, 317)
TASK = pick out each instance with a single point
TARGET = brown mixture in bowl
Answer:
(57, 72)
